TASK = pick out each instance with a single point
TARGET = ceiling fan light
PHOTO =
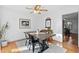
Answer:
(35, 11)
(38, 12)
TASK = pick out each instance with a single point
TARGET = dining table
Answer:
(42, 37)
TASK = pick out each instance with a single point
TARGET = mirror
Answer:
(48, 25)
(48, 22)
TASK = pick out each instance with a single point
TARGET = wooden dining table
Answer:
(40, 35)
(43, 38)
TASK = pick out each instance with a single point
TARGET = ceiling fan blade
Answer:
(43, 10)
(29, 8)
(31, 12)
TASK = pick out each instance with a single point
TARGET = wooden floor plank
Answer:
(9, 47)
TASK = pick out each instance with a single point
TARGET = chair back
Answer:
(33, 39)
(26, 35)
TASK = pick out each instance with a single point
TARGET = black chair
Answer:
(28, 40)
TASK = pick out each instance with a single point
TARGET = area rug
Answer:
(55, 49)
(51, 49)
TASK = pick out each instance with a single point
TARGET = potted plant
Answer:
(2, 34)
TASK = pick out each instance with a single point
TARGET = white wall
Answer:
(13, 13)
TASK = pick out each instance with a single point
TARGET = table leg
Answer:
(33, 47)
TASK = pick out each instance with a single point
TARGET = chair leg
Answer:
(26, 43)
(44, 46)
(29, 45)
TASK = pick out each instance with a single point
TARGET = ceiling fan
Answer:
(37, 9)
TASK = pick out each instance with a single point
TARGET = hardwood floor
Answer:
(73, 45)
(74, 38)
(8, 48)
(70, 48)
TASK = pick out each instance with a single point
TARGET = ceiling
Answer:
(22, 8)
(50, 8)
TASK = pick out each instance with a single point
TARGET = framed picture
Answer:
(24, 23)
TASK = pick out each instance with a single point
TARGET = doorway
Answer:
(70, 28)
